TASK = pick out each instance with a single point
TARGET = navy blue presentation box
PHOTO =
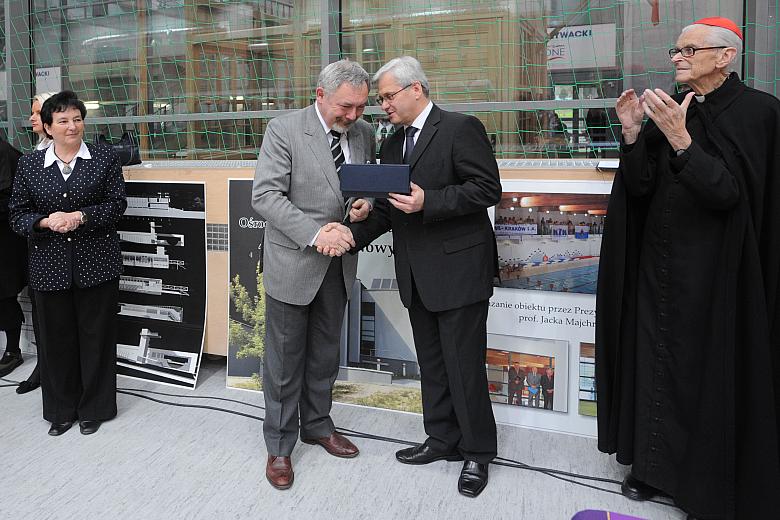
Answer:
(374, 180)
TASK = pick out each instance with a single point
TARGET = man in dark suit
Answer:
(445, 261)
(516, 378)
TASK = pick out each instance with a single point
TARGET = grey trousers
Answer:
(301, 363)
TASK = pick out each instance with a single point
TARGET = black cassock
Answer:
(687, 337)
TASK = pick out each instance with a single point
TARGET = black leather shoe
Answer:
(9, 362)
(635, 489)
(58, 429)
(89, 427)
(27, 386)
(424, 454)
(473, 478)
(32, 382)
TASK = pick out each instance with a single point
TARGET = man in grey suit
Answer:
(296, 189)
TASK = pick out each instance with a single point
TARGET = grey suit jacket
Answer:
(296, 190)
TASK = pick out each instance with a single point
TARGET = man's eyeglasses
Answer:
(687, 52)
(389, 97)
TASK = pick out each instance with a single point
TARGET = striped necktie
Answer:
(335, 149)
(338, 160)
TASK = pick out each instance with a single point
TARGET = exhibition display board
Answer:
(542, 313)
(540, 325)
(162, 291)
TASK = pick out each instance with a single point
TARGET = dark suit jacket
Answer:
(449, 247)
(90, 254)
(13, 259)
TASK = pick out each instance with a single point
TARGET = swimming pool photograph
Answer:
(550, 241)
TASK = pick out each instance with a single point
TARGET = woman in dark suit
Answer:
(13, 266)
(67, 200)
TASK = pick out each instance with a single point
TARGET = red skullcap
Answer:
(719, 21)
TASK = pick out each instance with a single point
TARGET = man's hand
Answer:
(334, 239)
(359, 211)
(61, 222)
(408, 203)
(630, 112)
(669, 116)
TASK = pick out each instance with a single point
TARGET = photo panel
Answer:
(587, 371)
(528, 372)
(246, 306)
(550, 241)
(162, 290)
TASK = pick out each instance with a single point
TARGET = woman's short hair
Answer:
(60, 102)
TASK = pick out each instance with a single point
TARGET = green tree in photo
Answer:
(248, 333)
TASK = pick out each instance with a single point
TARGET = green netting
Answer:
(208, 63)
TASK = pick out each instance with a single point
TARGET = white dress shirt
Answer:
(51, 158)
(418, 124)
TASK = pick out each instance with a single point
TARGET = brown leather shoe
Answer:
(279, 472)
(337, 445)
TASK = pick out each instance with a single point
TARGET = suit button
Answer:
(65, 195)
(69, 239)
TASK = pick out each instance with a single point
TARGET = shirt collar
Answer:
(51, 158)
(420, 120)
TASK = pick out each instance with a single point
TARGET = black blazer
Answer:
(13, 259)
(90, 254)
(449, 247)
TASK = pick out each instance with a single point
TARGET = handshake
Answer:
(334, 239)
(61, 222)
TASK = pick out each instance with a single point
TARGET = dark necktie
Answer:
(338, 160)
(410, 131)
(335, 149)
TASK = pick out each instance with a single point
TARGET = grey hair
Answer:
(406, 70)
(340, 72)
(717, 36)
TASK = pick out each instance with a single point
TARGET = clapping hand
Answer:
(668, 116)
(334, 239)
(630, 111)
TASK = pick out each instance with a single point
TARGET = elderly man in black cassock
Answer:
(687, 330)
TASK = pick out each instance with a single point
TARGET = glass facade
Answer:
(198, 79)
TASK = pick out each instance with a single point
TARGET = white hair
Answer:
(406, 70)
(717, 36)
(41, 98)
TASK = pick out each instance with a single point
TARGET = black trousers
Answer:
(451, 348)
(77, 353)
(11, 316)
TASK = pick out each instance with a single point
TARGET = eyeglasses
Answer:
(687, 52)
(389, 97)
